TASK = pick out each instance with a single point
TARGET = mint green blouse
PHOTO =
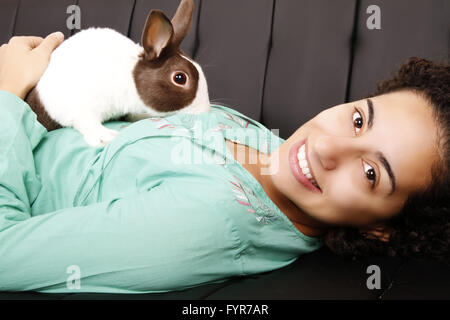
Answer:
(164, 206)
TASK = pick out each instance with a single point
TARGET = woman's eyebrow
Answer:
(371, 115)
(380, 155)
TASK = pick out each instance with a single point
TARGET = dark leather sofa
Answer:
(280, 62)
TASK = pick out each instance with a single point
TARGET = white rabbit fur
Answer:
(103, 59)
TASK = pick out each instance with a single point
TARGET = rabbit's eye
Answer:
(180, 78)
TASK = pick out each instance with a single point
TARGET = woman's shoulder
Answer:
(242, 129)
(232, 114)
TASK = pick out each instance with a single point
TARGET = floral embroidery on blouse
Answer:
(246, 197)
(163, 123)
(243, 123)
(221, 126)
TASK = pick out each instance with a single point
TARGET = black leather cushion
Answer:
(233, 44)
(7, 19)
(95, 14)
(309, 61)
(408, 28)
(40, 18)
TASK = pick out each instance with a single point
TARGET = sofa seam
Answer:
(391, 283)
(130, 21)
(72, 31)
(353, 40)
(221, 286)
(15, 18)
(197, 31)
(266, 67)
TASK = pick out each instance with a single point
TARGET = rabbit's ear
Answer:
(157, 34)
(182, 21)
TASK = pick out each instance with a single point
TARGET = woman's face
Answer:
(366, 156)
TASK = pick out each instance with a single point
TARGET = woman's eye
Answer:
(369, 171)
(357, 121)
(370, 174)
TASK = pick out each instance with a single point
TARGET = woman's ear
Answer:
(377, 231)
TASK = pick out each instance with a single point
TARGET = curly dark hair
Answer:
(422, 228)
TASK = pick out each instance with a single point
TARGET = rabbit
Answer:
(99, 74)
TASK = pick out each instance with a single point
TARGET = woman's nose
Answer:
(333, 150)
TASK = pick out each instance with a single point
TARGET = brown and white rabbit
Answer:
(99, 74)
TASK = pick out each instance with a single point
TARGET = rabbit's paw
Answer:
(100, 136)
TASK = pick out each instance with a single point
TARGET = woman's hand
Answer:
(23, 61)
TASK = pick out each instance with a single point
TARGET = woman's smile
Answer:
(301, 167)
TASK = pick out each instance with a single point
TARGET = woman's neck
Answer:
(304, 223)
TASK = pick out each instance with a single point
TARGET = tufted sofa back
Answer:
(278, 61)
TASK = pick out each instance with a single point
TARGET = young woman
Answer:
(185, 200)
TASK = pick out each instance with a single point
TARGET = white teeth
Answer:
(303, 164)
(301, 156)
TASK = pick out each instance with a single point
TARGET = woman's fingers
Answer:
(23, 61)
(47, 45)
(33, 42)
(29, 41)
